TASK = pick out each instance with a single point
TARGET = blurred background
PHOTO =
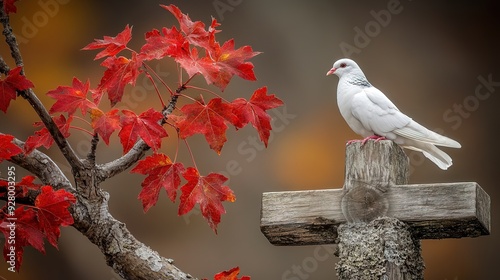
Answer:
(437, 61)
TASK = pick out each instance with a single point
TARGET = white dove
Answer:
(372, 115)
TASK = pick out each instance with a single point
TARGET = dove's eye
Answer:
(343, 65)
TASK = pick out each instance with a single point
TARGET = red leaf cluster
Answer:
(207, 191)
(211, 119)
(218, 65)
(30, 225)
(194, 47)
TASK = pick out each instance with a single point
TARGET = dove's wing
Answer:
(415, 131)
(377, 113)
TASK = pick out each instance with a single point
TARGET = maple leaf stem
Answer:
(190, 154)
(82, 129)
(156, 89)
(189, 97)
(179, 73)
(178, 144)
(189, 80)
(83, 120)
(207, 90)
(150, 70)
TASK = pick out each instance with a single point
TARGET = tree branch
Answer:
(10, 38)
(93, 148)
(33, 100)
(43, 167)
(110, 169)
(130, 258)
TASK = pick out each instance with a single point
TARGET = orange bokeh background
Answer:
(428, 57)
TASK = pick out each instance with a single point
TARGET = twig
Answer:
(93, 148)
(4, 68)
(10, 38)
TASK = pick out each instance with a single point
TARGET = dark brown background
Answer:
(428, 59)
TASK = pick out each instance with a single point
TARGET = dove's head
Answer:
(345, 66)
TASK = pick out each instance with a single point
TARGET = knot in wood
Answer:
(364, 202)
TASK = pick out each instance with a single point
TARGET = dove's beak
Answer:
(331, 71)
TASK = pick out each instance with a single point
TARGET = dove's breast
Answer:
(345, 94)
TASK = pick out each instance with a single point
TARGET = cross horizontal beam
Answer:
(433, 211)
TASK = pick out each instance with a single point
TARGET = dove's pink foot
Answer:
(374, 137)
(363, 142)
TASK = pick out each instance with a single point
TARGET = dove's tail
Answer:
(440, 158)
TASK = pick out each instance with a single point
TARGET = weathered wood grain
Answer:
(433, 211)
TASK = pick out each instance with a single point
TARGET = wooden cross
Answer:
(376, 219)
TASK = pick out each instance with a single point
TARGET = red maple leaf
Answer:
(111, 45)
(42, 137)
(27, 232)
(12, 83)
(162, 173)
(105, 124)
(209, 120)
(168, 42)
(231, 274)
(121, 71)
(222, 63)
(194, 32)
(69, 99)
(254, 111)
(9, 6)
(53, 212)
(145, 126)
(7, 148)
(207, 191)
